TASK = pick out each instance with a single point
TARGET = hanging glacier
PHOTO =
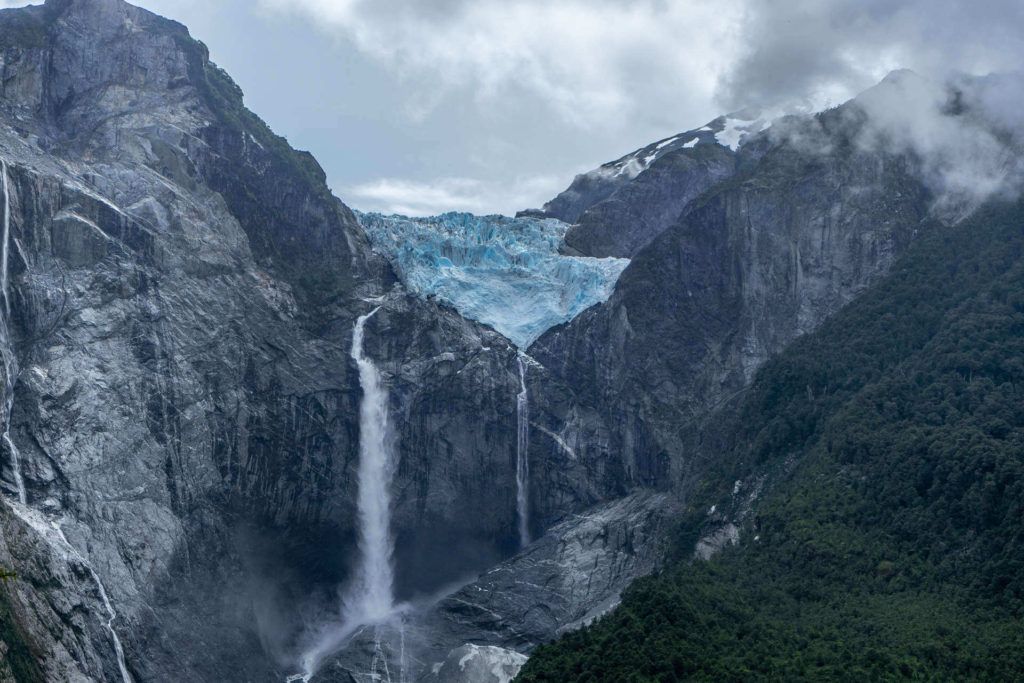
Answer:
(501, 271)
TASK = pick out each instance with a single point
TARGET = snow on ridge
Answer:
(666, 143)
(501, 271)
(736, 128)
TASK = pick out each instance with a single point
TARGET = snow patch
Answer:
(737, 128)
(631, 168)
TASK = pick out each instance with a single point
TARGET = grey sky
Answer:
(422, 106)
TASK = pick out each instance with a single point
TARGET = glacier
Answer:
(501, 271)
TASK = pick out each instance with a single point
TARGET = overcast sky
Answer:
(421, 106)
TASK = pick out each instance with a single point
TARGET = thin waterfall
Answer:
(7, 240)
(401, 655)
(371, 599)
(522, 455)
(19, 481)
(111, 614)
(6, 347)
(52, 533)
(11, 374)
(379, 670)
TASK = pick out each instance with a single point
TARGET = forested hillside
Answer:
(888, 542)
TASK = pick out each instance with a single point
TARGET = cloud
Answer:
(415, 198)
(463, 93)
(812, 53)
(965, 133)
(592, 62)
(598, 61)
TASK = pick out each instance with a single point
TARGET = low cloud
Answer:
(813, 53)
(964, 132)
(416, 198)
(598, 62)
(591, 62)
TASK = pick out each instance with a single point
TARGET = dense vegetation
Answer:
(888, 542)
(19, 657)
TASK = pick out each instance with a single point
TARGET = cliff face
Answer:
(183, 290)
(808, 221)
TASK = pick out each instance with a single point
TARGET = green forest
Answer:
(888, 541)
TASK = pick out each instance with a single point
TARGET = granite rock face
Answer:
(183, 290)
(480, 664)
(621, 206)
(573, 574)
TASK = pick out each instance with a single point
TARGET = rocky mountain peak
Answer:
(79, 69)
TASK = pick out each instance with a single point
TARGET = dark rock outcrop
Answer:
(809, 221)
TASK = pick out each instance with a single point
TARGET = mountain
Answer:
(620, 207)
(746, 268)
(827, 345)
(249, 434)
(872, 479)
(184, 408)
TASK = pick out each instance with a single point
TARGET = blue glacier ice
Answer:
(501, 271)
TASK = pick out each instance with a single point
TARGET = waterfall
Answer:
(522, 455)
(19, 481)
(53, 535)
(111, 614)
(371, 599)
(9, 361)
(7, 239)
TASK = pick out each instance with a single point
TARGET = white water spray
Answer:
(370, 598)
(522, 456)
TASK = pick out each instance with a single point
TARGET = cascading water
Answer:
(52, 533)
(11, 374)
(7, 234)
(6, 350)
(111, 614)
(370, 598)
(522, 455)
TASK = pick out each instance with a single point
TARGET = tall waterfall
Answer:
(371, 598)
(522, 455)
(7, 238)
(6, 347)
